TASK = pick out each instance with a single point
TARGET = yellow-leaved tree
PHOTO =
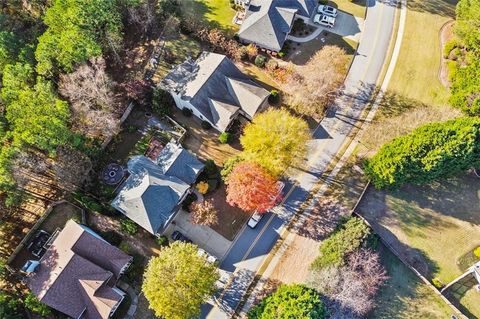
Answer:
(178, 281)
(275, 139)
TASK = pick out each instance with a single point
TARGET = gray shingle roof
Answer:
(176, 161)
(267, 22)
(207, 84)
(75, 273)
(148, 196)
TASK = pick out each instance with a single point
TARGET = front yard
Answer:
(356, 7)
(300, 53)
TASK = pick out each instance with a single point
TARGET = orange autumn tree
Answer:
(252, 188)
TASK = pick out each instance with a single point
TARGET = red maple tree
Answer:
(252, 188)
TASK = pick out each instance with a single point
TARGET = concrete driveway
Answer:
(203, 236)
(346, 25)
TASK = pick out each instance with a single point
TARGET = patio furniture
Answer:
(36, 246)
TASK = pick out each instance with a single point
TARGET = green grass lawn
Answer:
(404, 295)
(416, 72)
(471, 301)
(181, 47)
(433, 226)
(260, 75)
(217, 13)
(356, 8)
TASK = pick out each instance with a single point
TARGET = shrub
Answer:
(430, 152)
(202, 187)
(289, 301)
(274, 97)
(298, 25)
(188, 201)
(225, 137)
(437, 283)
(228, 166)
(476, 252)
(204, 213)
(206, 125)
(162, 241)
(187, 112)
(87, 202)
(271, 65)
(252, 51)
(465, 88)
(452, 70)
(449, 46)
(111, 236)
(347, 238)
(260, 61)
(162, 102)
(33, 304)
(211, 169)
(135, 271)
(125, 247)
(212, 184)
(129, 226)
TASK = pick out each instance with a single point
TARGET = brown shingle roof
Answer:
(74, 273)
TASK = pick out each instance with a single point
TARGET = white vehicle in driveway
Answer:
(210, 258)
(254, 220)
(327, 10)
(324, 20)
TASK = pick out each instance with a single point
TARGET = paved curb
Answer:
(133, 297)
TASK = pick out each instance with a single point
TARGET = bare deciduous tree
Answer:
(204, 213)
(93, 102)
(314, 85)
(143, 15)
(351, 288)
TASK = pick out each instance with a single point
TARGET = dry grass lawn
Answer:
(356, 8)
(204, 143)
(399, 115)
(405, 296)
(416, 72)
(432, 226)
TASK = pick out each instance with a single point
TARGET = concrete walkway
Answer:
(133, 299)
(308, 38)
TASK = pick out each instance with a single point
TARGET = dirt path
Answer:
(446, 33)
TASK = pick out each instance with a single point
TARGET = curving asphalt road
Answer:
(252, 245)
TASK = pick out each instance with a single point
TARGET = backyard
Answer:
(417, 69)
(404, 295)
(176, 50)
(217, 13)
(432, 226)
(56, 219)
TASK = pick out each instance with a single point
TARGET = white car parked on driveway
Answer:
(327, 10)
(324, 20)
